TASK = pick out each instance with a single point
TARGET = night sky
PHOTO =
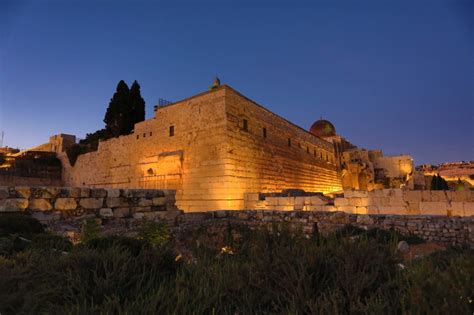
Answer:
(392, 75)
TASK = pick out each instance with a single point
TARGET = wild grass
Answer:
(260, 272)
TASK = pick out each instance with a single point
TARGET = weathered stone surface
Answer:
(13, 205)
(112, 202)
(98, 193)
(85, 192)
(106, 213)
(113, 193)
(46, 217)
(143, 202)
(159, 201)
(23, 192)
(40, 205)
(91, 203)
(4, 192)
(65, 204)
(121, 212)
(365, 219)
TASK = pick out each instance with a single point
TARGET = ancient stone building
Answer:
(211, 148)
(365, 169)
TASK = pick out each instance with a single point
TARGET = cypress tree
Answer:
(434, 183)
(118, 111)
(137, 105)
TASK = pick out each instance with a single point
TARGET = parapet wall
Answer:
(383, 201)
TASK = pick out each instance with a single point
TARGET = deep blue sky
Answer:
(394, 75)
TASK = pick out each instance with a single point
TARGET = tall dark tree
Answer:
(439, 183)
(137, 105)
(116, 117)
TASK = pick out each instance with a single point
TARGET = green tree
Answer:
(439, 183)
(137, 105)
(118, 111)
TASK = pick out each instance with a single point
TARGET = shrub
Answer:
(19, 224)
(90, 230)
(156, 233)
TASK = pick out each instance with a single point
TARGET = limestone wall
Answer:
(415, 202)
(272, 154)
(120, 211)
(383, 201)
(67, 208)
(210, 160)
(191, 161)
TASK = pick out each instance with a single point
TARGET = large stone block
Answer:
(426, 195)
(340, 202)
(70, 192)
(251, 196)
(112, 202)
(271, 201)
(462, 195)
(98, 193)
(113, 193)
(121, 212)
(397, 201)
(360, 193)
(412, 196)
(433, 208)
(372, 210)
(23, 192)
(13, 205)
(456, 208)
(299, 201)
(85, 192)
(316, 200)
(40, 205)
(468, 208)
(361, 210)
(65, 204)
(438, 195)
(143, 202)
(392, 210)
(347, 209)
(91, 203)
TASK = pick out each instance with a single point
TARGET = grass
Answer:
(257, 272)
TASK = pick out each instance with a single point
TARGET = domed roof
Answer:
(323, 128)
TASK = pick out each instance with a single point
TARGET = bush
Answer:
(19, 224)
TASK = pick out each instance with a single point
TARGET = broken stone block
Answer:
(14, 205)
(40, 205)
(65, 204)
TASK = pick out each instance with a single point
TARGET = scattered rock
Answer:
(403, 247)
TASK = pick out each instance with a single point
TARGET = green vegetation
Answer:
(439, 183)
(350, 272)
(126, 108)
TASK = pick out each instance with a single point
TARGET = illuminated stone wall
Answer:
(272, 154)
(209, 160)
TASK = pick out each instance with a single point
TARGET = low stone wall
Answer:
(119, 211)
(65, 209)
(384, 201)
(403, 202)
(438, 229)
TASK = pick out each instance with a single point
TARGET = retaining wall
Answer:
(119, 211)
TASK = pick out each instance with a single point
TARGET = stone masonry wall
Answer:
(119, 211)
(384, 201)
(65, 209)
